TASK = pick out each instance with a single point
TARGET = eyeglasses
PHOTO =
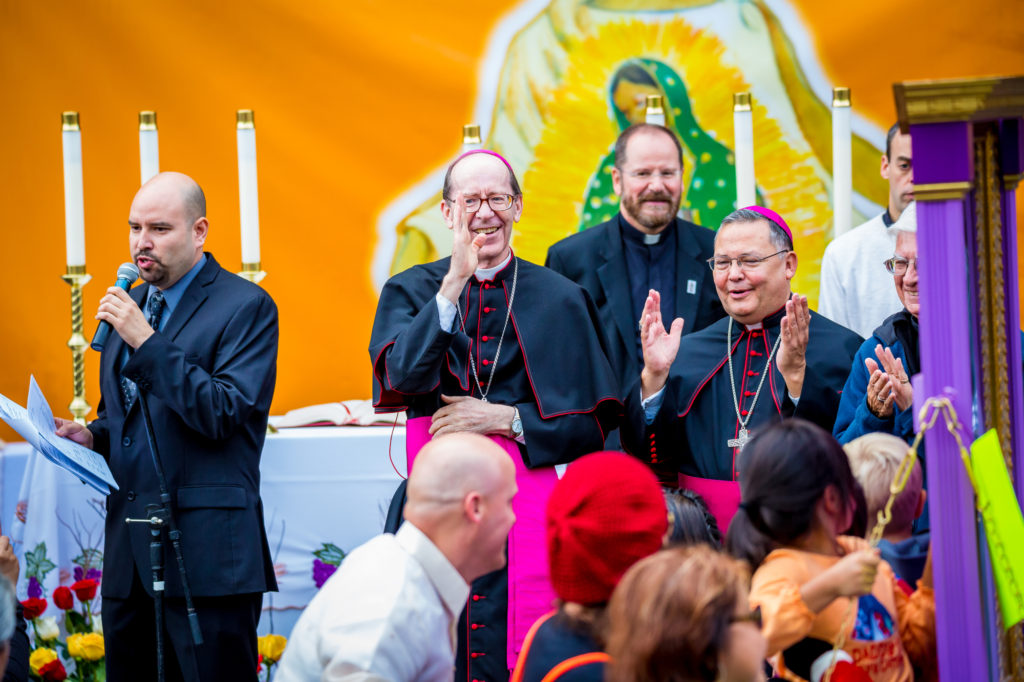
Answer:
(747, 263)
(752, 617)
(898, 265)
(499, 202)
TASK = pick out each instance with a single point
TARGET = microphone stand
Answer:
(160, 516)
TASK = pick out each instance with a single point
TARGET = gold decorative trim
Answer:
(252, 272)
(76, 270)
(969, 99)
(992, 325)
(1010, 182)
(69, 121)
(942, 191)
(840, 97)
(147, 120)
(245, 118)
(471, 134)
(655, 104)
(992, 308)
(741, 101)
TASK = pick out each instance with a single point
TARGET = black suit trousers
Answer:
(228, 651)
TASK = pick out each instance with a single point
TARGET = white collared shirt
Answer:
(856, 290)
(387, 613)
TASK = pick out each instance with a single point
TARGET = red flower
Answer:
(33, 607)
(53, 671)
(259, 663)
(63, 599)
(85, 589)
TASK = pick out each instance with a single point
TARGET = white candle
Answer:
(74, 208)
(655, 112)
(842, 161)
(149, 146)
(248, 197)
(743, 132)
(471, 138)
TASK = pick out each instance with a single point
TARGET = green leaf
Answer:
(76, 623)
(37, 565)
(91, 557)
(330, 554)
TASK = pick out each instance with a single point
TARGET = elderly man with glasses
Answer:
(878, 395)
(701, 397)
(485, 342)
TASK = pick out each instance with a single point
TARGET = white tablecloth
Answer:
(321, 486)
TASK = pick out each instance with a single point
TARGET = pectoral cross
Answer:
(741, 441)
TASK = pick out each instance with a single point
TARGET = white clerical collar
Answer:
(752, 327)
(652, 238)
(487, 274)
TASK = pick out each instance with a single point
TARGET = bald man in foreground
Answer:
(199, 344)
(389, 612)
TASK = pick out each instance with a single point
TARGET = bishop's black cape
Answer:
(697, 418)
(567, 396)
(552, 366)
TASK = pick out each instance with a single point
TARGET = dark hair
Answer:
(778, 236)
(784, 471)
(446, 188)
(888, 139)
(634, 73)
(669, 617)
(689, 520)
(623, 141)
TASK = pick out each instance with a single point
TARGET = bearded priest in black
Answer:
(484, 341)
(701, 397)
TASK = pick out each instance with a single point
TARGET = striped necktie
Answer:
(155, 312)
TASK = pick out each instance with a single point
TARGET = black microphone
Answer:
(126, 276)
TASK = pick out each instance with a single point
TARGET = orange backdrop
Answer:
(355, 102)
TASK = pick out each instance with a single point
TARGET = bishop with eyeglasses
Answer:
(701, 397)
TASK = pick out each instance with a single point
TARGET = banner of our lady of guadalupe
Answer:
(576, 73)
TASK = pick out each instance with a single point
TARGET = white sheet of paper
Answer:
(17, 418)
(36, 425)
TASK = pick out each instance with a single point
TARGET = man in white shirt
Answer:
(389, 611)
(856, 291)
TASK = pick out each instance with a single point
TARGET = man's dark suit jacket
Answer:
(209, 378)
(595, 260)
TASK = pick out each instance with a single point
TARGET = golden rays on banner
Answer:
(578, 74)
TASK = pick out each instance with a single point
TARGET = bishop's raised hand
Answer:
(791, 358)
(465, 248)
(660, 346)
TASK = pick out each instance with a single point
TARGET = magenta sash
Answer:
(530, 595)
(722, 497)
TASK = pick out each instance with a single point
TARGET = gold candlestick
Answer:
(252, 272)
(76, 277)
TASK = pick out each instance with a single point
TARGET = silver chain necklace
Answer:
(462, 321)
(744, 435)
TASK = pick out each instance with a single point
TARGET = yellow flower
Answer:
(87, 647)
(75, 645)
(272, 646)
(41, 657)
(92, 646)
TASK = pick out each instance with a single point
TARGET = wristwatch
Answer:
(517, 424)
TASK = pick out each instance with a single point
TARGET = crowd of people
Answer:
(650, 460)
(687, 349)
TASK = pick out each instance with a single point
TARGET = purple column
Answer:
(1012, 159)
(942, 154)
